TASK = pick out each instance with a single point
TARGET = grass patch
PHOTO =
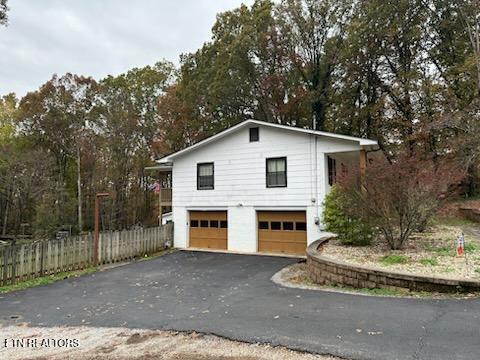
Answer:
(448, 270)
(470, 247)
(451, 221)
(429, 262)
(477, 270)
(383, 292)
(389, 260)
(157, 254)
(368, 291)
(444, 251)
(44, 280)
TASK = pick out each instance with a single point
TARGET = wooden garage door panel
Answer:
(275, 247)
(283, 236)
(208, 215)
(208, 237)
(282, 241)
(281, 216)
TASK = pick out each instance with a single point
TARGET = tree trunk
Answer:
(471, 181)
(318, 110)
(7, 209)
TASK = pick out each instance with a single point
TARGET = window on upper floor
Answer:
(332, 171)
(277, 172)
(254, 134)
(205, 174)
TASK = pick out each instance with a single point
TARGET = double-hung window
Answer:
(277, 172)
(205, 179)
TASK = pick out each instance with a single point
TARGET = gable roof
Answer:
(367, 143)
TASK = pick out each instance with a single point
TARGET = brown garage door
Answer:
(208, 229)
(282, 232)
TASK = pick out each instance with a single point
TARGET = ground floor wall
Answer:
(242, 225)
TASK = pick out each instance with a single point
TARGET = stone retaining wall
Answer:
(327, 271)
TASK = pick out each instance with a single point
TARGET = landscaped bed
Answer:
(427, 265)
(431, 253)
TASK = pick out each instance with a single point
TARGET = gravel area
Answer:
(117, 343)
(430, 253)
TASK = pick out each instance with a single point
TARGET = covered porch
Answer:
(340, 164)
(163, 188)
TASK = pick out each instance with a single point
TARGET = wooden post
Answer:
(79, 189)
(97, 226)
(160, 205)
(14, 264)
(42, 258)
(363, 169)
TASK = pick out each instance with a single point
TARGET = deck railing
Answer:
(166, 195)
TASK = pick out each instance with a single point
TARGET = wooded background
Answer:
(404, 72)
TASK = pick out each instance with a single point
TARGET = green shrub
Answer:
(350, 230)
(393, 259)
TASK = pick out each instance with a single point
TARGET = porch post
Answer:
(160, 210)
(363, 163)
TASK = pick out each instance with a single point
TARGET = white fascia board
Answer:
(362, 142)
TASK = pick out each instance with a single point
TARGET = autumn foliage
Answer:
(399, 198)
(405, 73)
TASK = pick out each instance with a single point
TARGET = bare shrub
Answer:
(399, 198)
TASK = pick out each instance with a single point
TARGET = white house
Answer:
(257, 186)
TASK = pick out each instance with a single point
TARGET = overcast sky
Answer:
(98, 37)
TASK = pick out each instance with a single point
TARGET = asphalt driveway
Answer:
(232, 296)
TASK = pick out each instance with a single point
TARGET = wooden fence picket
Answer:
(25, 262)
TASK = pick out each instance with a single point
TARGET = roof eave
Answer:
(364, 143)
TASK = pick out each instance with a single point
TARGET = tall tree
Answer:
(127, 124)
(315, 33)
(455, 34)
(386, 71)
(7, 112)
(470, 12)
(3, 12)
(56, 117)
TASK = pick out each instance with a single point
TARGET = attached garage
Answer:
(208, 229)
(282, 232)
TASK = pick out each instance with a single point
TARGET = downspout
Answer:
(315, 157)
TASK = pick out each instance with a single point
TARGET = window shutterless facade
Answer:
(254, 134)
(276, 172)
(205, 176)
(332, 171)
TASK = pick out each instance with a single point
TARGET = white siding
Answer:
(240, 181)
(242, 231)
(180, 228)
